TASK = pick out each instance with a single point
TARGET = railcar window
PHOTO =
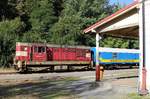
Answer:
(99, 54)
(114, 55)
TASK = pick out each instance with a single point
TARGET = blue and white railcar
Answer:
(116, 56)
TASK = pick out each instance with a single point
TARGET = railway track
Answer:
(108, 74)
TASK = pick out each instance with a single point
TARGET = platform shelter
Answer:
(133, 22)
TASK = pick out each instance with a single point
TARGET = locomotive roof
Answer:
(51, 45)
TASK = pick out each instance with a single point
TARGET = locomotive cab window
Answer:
(41, 49)
(35, 49)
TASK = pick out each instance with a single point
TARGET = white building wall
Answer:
(147, 41)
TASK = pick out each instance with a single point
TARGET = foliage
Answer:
(76, 15)
(9, 34)
(119, 43)
(42, 15)
(137, 96)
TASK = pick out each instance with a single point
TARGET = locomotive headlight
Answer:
(25, 48)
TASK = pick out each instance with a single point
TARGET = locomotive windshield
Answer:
(39, 49)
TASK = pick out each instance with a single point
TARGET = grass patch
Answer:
(136, 96)
(7, 70)
(71, 78)
(62, 94)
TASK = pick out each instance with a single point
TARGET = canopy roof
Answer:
(123, 23)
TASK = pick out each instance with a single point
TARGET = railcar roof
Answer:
(105, 49)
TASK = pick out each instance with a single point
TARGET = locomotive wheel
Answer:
(52, 68)
(21, 67)
(70, 68)
(131, 67)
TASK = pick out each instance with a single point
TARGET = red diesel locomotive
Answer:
(51, 56)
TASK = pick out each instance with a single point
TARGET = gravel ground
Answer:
(117, 84)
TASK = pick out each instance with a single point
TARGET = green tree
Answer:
(7, 10)
(9, 34)
(119, 43)
(67, 30)
(75, 16)
(32, 37)
(42, 15)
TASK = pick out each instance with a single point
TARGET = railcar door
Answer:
(39, 53)
(31, 53)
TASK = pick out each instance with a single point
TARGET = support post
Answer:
(97, 58)
(142, 33)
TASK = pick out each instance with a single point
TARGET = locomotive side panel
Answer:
(44, 55)
(56, 54)
(83, 54)
(80, 54)
(22, 52)
(64, 54)
(69, 54)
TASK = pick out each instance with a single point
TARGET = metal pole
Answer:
(143, 90)
(97, 58)
(143, 28)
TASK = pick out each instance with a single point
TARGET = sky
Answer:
(122, 2)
